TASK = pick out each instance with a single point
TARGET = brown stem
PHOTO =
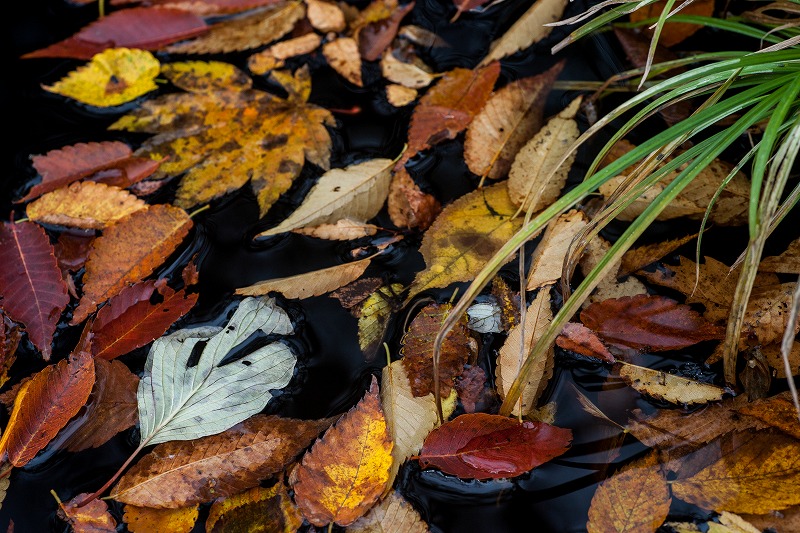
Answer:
(111, 481)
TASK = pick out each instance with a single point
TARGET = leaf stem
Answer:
(199, 210)
(111, 481)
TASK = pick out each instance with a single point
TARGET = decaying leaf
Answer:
(772, 353)
(393, 513)
(10, 336)
(373, 317)
(547, 261)
(345, 229)
(777, 411)
(767, 315)
(91, 518)
(353, 294)
(637, 258)
(258, 509)
(400, 96)
(274, 56)
(342, 55)
(409, 207)
(484, 317)
(325, 16)
(377, 26)
(472, 390)
(528, 29)
(310, 284)
(44, 405)
(675, 32)
(787, 262)
(609, 286)
(515, 350)
(180, 473)
(509, 303)
(483, 446)
(413, 74)
(147, 519)
(784, 520)
(465, 236)
(34, 293)
(86, 205)
(348, 467)
(129, 251)
(669, 387)
(508, 120)
(111, 78)
(579, 339)
(4, 484)
(634, 500)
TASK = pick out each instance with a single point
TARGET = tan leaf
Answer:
(400, 96)
(86, 205)
(413, 74)
(772, 353)
(507, 121)
(537, 158)
(257, 510)
(609, 286)
(547, 261)
(777, 411)
(274, 56)
(515, 351)
(669, 387)
(392, 514)
(528, 29)
(638, 258)
(786, 263)
(409, 207)
(785, 520)
(91, 518)
(309, 284)
(345, 229)
(767, 315)
(373, 317)
(343, 57)
(325, 16)
(146, 519)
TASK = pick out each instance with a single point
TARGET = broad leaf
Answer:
(325, 16)
(409, 72)
(309, 284)
(400, 96)
(528, 29)
(777, 411)
(258, 509)
(377, 25)
(86, 205)
(669, 387)
(409, 207)
(148, 519)
(206, 77)
(276, 55)
(579, 339)
(787, 262)
(203, 7)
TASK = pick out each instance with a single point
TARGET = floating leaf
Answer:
(325, 16)
(638, 258)
(309, 284)
(357, 292)
(528, 29)
(375, 33)
(111, 78)
(484, 317)
(33, 290)
(345, 229)
(579, 339)
(373, 317)
(206, 77)
(508, 120)
(471, 389)
(342, 55)
(777, 411)
(44, 405)
(669, 387)
(71, 251)
(409, 207)
(146, 519)
(91, 518)
(86, 205)
(274, 56)
(674, 32)
(465, 236)
(204, 7)
(129, 251)
(547, 260)
(400, 96)
(483, 446)
(348, 467)
(267, 510)
(413, 75)
(393, 513)
(786, 520)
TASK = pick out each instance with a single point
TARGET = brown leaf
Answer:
(346, 470)
(787, 262)
(258, 509)
(146, 520)
(609, 286)
(579, 339)
(471, 388)
(669, 387)
(785, 520)
(325, 16)
(675, 32)
(356, 292)
(129, 251)
(127, 173)
(529, 28)
(203, 7)
(91, 518)
(547, 260)
(71, 251)
(342, 56)
(772, 353)
(767, 315)
(44, 405)
(637, 258)
(508, 301)
(180, 473)
(10, 336)
(402, 66)
(409, 207)
(309, 284)
(392, 514)
(376, 36)
(465, 5)
(777, 411)
(274, 56)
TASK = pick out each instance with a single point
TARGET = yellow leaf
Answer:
(392, 515)
(111, 78)
(256, 510)
(206, 76)
(669, 387)
(311, 283)
(342, 55)
(147, 519)
(465, 236)
(374, 317)
(325, 16)
(528, 29)
(548, 259)
(400, 96)
(413, 75)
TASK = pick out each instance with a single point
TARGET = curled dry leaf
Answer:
(675, 32)
(413, 74)
(345, 229)
(147, 519)
(206, 77)
(91, 518)
(579, 339)
(483, 446)
(309, 284)
(342, 55)
(393, 513)
(547, 261)
(258, 509)
(669, 387)
(400, 96)
(373, 317)
(34, 293)
(180, 473)
(609, 286)
(787, 262)
(409, 207)
(274, 56)
(348, 467)
(528, 29)
(484, 317)
(325, 16)
(638, 258)
(509, 303)
(129, 251)
(85, 205)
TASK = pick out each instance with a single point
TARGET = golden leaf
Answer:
(309, 284)
(147, 519)
(528, 29)
(400, 96)
(548, 259)
(111, 78)
(669, 387)
(266, 510)
(393, 514)
(325, 16)
(776, 411)
(342, 55)
(373, 317)
(206, 77)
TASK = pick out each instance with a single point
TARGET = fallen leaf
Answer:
(44, 405)
(547, 261)
(465, 236)
(508, 120)
(204, 7)
(392, 514)
(180, 473)
(206, 77)
(528, 29)
(784, 520)
(71, 251)
(777, 411)
(509, 303)
(247, 31)
(669, 387)
(258, 509)
(472, 391)
(146, 519)
(375, 33)
(91, 518)
(636, 499)
(342, 55)
(373, 318)
(644, 322)
(113, 77)
(484, 317)
(275, 56)
(357, 292)
(515, 350)
(772, 352)
(609, 286)
(409, 207)
(483, 446)
(413, 74)
(4, 484)
(767, 315)
(422, 37)
(273, 139)
(787, 262)
(310, 284)
(129, 251)
(345, 229)
(10, 336)
(348, 467)
(325, 16)
(174, 407)
(674, 32)
(756, 376)
(637, 258)
(400, 96)
(127, 173)
(34, 293)
(579, 339)
(465, 5)
(85, 205)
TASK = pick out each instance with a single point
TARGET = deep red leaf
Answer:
(654, 323)
(71, 250)
(32, 289)
(374, 38)
(148, 28)
(483, 446)
(580, 339)
(126, 173)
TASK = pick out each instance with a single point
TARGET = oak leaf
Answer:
(147, 519)
(373, 317)
(465, 236)
(309, 284)
(400, 96)
(547, 260)
(579, 339)
(787, 262)
(408, 206)
(483, 446)
(669, 387)
(33, 291)
(44, 405)
(180, 473)
(325, 16)
(637, 258)
(507, 121)
(528, 29)
(85, 205)
(675, 32)
(206, 77)
(345, 229)
(348, 467)
(91, 518)
(258, 509)
(392, 514)
(342, 55)
(129, 251)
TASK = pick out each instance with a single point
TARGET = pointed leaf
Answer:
(342, 55)
(267, 510)
(377, 35)
(373, 317)
(547, 262)
(579, 339)
(325, 16)
(528, 29)
(86, 205)
(393, 513)
(91, 518)
(669, 387)
(309, 284)
(147, 519)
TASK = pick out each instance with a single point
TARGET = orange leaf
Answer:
(268, 510)
(44, 405)
(146, 520)
(345, 472)
(409, 207)
(91, 518)
(580, 339)
(778, 411)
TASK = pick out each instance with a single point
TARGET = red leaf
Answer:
(128, 172)
(129, 320)
(71, 251)
(578, 338)
(148, 28)
(482, 446)
(653, 323)
(374, 38)
(91, 518)
(31, 285)
(466, 5)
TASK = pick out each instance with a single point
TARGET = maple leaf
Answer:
(147, 519)
(257, 509)
(239, 135)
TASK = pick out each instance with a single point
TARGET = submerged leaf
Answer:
(86, 205)
(669, 387)
(310, 284)
(257, 510)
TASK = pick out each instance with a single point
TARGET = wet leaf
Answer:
(113, 77)
(373, 317)
(273, 138)
(129, 251)
(345, 229)
(342, 55)
(777, 411)
(644, 322)
(413, 74)
(71, 251)
(177, 407)
(146, 519)
(10, 336)
(472, 391)
(787, 262)
(275, 56)
(44, 405)
(392, 514)
(91, 518)
(528, 29)
(206, 77)
(400, 96)
(86, 205)
(785, 520)
(409, 207)
(4, 484)
(325, 16)
(257, 510)
(483, 446)
(375, 32)
(484, 317)
(638, 258)
(767, 315)
(357, 292)
(579, 339)
(547, 261)
(348, 467)
(675, 32)
(755, 377)
(357, 192)
(33, 290)
(669, 387)
(465, 236)
(636, 499)
(310, 284)
(508, 120)
(515, 350)
(180, 473)
(128, 174)
(139, 27)
(509, 303)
